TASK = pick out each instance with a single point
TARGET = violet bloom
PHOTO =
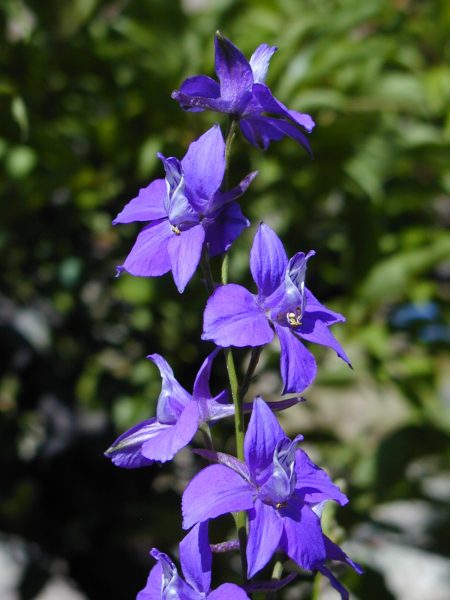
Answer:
(185, 211)
(178, 417)
(164, 582)
(235, 317)
(241, 92)
(278, 485)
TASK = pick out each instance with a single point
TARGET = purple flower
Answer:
(242, 93)
(185, 211)
(278, 485)
(235, 317)
(164, 582)
(178, 416)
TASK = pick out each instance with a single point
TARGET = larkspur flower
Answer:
(178, 417)
(241, 92)
(164, 582)
(278, 485)
(186, 210)
(235, 317)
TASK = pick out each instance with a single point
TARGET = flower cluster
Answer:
(191, 217)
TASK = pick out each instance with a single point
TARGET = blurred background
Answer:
(84, 107)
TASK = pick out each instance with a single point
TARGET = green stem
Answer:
(316, 587)
(254, 359)
(277, 572)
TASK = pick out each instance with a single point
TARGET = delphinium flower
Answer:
(241, 92)
(235, 317)
(164, 582)
(185, 211)
(279, 487)
(178, 417)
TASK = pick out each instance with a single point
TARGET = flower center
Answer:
(294, 319)
(175, 230)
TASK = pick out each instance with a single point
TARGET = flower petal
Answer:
(334, 552)
(172, 438)
(302, 538)
(204, 167)
(263, 434)
(154, 585)
(147, 206)
(184, 251)
(312, 305)
(273, 106)
(149, 257)
(334, 582)
(196, 558)
(201, 384)
(313, 483)
(259, 62)
(268, 260)
(215, 491)
(233, 318)
(226, 591)
(298, 365)
(225, 228)
(200, 85)
(198, 103)
(233, 70)
(316, 331)
(173, 397)
(265, 529)
(125, 452)
(223, 198)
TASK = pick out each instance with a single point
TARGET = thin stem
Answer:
(276, 576)
(254, 359)
(316, 587)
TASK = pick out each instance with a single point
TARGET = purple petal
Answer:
(184, 251)
(147, 206)
(215, 491)
(201, 383)
(224, 229)
(265, 529)
(173, 586)
(312, 305)
(302, 538)
(179, 209)
(233, 318)
(270, 586)
(149, 257)
(316, 331)
(214, 409)
(200, 85)
(223, 198)
(260, 131)
(171, 438)
(125, 452)
(204, 167)
(298, 365)
(228, 591)
(226, 459)
(334, 582)
(271, 105)
(199, 103)
(313, 483)
(334, 552)
(259, 62)
(173, 397)
(154, 585)
(233, 70)
(263, 434)
(196, 558)
(268, 260)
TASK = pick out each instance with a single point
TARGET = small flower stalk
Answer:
(271, 486)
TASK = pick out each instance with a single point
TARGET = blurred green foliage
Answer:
(85, 105)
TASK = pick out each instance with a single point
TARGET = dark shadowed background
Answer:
(84, 107)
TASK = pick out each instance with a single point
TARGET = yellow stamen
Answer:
(175, 230)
